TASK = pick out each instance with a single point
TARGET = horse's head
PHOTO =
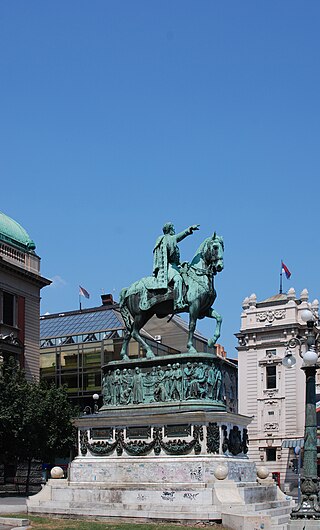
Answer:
(213, 253)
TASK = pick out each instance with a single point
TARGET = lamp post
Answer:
(95, 407)
(88, 409)
(297, 452)
(309, 503)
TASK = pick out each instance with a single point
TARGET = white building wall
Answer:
(278, 412)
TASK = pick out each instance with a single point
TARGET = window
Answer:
(271, 454)
(8, 309)
(271, 352)
(271, 376)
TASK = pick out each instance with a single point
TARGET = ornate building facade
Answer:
(20, 285)
(274, 396)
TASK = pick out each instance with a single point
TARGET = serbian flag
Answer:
(83, 292)
(285, 270)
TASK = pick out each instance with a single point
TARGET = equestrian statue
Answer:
(174, 288)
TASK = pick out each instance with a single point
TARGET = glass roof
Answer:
(80, 323)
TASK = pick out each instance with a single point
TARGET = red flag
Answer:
(83, 292)
(286, 270)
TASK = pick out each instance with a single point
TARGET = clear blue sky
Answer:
(117, 116)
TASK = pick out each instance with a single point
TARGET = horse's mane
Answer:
(203, 247)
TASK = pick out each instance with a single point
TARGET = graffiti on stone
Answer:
(190, 496)
(168, 496)
(196, 473)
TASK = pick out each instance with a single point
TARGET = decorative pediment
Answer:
(271, 426)
(271, 315)
(270, 358)
(271, 393)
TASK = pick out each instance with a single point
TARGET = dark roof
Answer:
(95, 320)
(80, 322)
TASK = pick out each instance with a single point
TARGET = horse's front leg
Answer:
(138, 323)
(124, 349)
(212, 313)
(193, 314)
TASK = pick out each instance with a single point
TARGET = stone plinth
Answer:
(160, 471)
(304, 524)
(167, 444)
(174, 432)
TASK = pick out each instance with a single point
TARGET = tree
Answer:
(35, 419)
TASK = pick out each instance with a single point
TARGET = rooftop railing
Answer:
(30, 262)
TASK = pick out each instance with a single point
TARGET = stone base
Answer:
(303, 524)
(180, 488)
(175, 454)
(190, 469)
(246, 521)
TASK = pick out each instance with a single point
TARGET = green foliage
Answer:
(35, 420)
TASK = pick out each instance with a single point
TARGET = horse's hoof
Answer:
(192, 350)
(124, 357)
(212, 342)
(150, 355)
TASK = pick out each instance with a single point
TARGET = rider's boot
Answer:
(179, 302)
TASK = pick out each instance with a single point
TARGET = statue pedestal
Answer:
(167, 444)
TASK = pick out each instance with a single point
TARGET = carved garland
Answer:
(83, 442)
(245, 441)
(234, 443)
(213, 438)
(141, 448)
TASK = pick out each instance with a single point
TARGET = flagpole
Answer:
(82, 292)
(280, 290)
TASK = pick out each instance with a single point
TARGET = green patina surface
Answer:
(174, 287)
(13, 233)
(163, 380)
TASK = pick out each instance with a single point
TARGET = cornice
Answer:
(38, 280)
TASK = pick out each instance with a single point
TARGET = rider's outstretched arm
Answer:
(186, 232)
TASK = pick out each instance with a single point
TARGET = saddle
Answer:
(150, 298)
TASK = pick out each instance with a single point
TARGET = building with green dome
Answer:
(20, 285)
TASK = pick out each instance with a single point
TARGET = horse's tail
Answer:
(125, 313)
(123, 293)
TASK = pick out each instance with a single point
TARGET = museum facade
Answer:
(20, 286)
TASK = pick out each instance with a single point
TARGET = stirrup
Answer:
(181, 305)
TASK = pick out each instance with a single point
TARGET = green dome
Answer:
(13, 234)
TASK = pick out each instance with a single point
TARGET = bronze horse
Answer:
(200, 294)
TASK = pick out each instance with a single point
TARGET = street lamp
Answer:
(95, 400)
(88, 409)
(309, 503)
(288, 361)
